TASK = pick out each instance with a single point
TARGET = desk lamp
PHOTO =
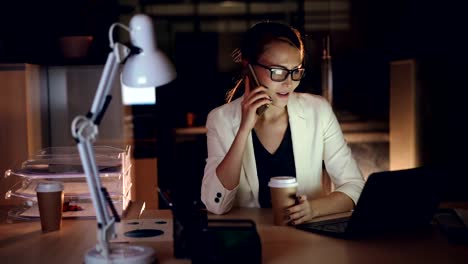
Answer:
(144, 66)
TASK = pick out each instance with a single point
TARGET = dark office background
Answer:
(379, 32)
(432, 32)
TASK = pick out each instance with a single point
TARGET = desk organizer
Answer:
(63, 164)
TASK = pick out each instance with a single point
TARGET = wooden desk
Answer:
(24, 243)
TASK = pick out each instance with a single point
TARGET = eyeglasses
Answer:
(280, 74)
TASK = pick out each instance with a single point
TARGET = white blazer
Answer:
(316, 137)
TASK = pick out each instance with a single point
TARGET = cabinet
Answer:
(23, 114)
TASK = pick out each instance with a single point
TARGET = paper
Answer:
(87, 212)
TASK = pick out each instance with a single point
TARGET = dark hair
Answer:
(263, 33)
(259, 36)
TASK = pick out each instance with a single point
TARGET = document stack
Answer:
(63, 164)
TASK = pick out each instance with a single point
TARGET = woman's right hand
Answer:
(252, 100)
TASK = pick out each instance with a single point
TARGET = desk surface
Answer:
(25, 243)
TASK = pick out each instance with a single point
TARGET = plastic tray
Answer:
(64, 164)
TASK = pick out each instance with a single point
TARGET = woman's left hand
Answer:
(301, 212)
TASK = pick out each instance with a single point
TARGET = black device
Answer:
(228, 241)
(212, 241)
(254, 82)
(391, 202)
(452, 225)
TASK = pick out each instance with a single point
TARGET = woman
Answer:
(292, 137)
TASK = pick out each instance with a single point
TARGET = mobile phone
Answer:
(255, 83)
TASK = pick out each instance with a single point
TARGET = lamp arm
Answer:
(116, 56)
(85, 130)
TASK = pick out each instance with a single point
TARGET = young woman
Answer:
(292, 137)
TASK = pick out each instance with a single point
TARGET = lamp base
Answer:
(122, 253)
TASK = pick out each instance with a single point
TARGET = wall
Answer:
(72, 90)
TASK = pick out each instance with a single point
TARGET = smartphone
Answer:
(255, 83)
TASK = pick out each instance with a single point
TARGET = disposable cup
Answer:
(50, 202)
(283, 195)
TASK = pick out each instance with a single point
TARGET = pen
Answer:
(165, 198)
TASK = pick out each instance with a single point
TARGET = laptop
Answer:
(391, 201)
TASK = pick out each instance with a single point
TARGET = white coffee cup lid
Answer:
(49, 186)
(282, 182)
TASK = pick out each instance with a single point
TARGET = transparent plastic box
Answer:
(64, 164)
(27, 210)
(74, 188)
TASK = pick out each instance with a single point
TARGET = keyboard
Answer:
(333, 225)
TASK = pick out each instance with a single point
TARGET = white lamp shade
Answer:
(150, 67)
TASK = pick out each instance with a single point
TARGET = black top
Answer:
(280, 163)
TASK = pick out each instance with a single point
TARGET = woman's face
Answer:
(279, 55)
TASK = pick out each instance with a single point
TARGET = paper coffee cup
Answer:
(283, 191)
(50, 202)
